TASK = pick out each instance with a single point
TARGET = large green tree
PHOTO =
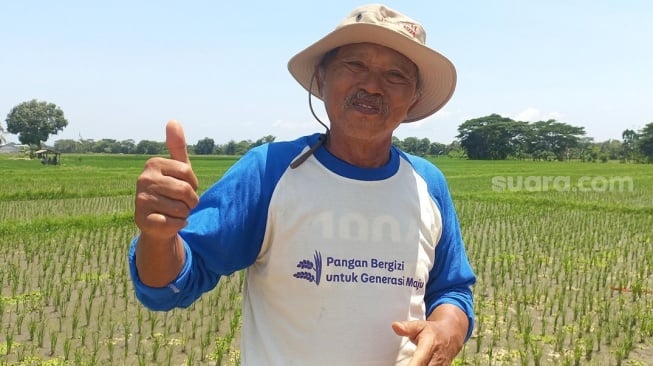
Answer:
(553, 137)
(263, 140)
(645, 142)
(150, 147)
(35, 121)
(205, 146)
(416, 146)
(492, 137)
(629, 145)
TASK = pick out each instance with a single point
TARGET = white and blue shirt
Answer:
(334, 254)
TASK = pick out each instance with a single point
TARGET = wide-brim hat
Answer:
(384, 26)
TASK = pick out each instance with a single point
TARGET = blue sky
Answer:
(120, 69)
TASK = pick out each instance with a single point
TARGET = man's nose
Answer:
(371, 82)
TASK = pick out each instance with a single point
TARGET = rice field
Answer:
(563, 253)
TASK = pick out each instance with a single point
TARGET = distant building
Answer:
(13, 148)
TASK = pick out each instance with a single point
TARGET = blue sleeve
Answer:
(225, 231)
(451, 277)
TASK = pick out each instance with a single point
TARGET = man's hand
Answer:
(165, 195)
(438, 339)
(166, 190)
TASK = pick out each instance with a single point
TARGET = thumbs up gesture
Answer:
(166, 189)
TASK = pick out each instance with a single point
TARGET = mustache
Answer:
(363, 97)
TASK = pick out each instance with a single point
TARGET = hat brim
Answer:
(437, 73)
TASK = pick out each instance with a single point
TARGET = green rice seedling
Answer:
(235, 322)
(126, 329)
(223, 311)
(221, 349)
(646, 330)
(479, 342)
(178, 322)
(190, 358)
(40, 334)
(215, 322)
(598, 335)
(88, 311)
(156, 347)
(184, 344)
(538, 352)
(559, 341)
(139, 320)
(103, 307)
(620, 355)
(54, 338)
(67, 344)
(166, 330)
(523, 357)
(93, 360)
(578, 352)
(79, 357)
(19, 323)
(194, 327)
(112, 329)
(95, 343)
(75, 321)
(9, 339)
(56, 300)
(205, 342)
(588, 342)
(110, 349)
(82, 336)
(31, 329)
(169, 353)
(165, 319)
(22, 352)
(139, 345)
(153, 322)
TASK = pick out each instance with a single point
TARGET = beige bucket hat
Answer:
(384, 26)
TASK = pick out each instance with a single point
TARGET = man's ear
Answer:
(416, 98)
(319, 80)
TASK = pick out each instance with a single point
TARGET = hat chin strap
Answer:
(323, 137)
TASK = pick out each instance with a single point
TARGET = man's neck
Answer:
(360, 153)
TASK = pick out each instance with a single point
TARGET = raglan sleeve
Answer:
(452, 277)
(223, 235)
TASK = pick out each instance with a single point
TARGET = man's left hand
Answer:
(438, 339)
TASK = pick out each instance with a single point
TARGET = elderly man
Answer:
(352, 247)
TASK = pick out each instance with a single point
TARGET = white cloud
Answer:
(532, 114)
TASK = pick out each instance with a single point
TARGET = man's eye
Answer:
(355, 65)
(396, 77)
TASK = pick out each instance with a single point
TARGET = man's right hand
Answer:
(166, 192)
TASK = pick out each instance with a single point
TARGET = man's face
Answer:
(368, 90)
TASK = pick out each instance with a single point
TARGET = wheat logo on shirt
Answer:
(310, 271)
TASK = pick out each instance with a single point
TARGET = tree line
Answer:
(495, 137)
(492, 137)
(205, 146)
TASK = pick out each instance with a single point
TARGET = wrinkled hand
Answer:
(166, 189)
(435, 344)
